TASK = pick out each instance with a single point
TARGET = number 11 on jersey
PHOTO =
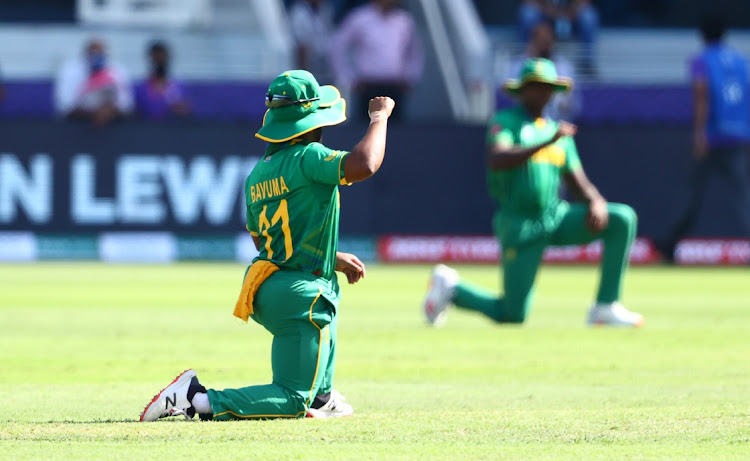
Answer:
(282, 214)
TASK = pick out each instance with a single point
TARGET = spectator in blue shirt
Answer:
(721, 129)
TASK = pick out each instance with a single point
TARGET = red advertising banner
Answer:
(485, 249)
(713, 252)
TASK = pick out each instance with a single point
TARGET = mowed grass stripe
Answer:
(84, 346)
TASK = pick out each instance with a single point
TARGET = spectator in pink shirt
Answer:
(93, 88)
(377, 52)
(160, 97)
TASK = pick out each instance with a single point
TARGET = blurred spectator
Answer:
(721, 129)
(564, 105)
(312, 21)
(341, 7)
(377, 52)
(159, 97)
(567, 17)
(92, 88)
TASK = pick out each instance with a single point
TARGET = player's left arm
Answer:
(583, 189)
(580, 185)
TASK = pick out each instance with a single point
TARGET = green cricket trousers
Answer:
(524, 242)
(303, 354)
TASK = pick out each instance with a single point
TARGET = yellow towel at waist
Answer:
(258, 273)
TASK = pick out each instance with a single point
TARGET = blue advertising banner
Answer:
(187, 178)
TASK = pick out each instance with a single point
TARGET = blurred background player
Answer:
(569, 18)
(377, 51)
(291, 288)
(526, 156)
(721, 130)
(93, 88)
(159, 96)
(565, 105)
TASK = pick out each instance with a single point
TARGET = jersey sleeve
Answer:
(572, 160)
(499, 133)
(323, 165)
(252, 223)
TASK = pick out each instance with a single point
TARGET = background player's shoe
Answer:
(439, 294)
(614, 314)
(335, 407)
(172, 400)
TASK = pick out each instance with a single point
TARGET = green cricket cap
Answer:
(297, 104)
(537, 70)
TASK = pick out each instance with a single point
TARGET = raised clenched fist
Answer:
(381, 105)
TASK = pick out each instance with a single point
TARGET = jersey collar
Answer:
(273, 147)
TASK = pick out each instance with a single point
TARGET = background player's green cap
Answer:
(537, 70)
(297, 104)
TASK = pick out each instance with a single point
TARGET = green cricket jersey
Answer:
(292, 203)
(532, 189)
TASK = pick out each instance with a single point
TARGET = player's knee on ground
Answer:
(516, 317)
(622, 216)
(301, 401)
(512, 312)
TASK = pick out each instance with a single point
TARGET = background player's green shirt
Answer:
(292, 203)
(531, 189)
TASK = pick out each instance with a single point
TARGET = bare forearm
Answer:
(589, 193)
(503, 158)
(700, 108)
(701, 115)
(367, 156)
(582, 188)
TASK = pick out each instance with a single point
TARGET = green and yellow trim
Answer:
(321, 333)
(229, 412)
(320, 347)
(561, 83)
(342, 174)
(335, 101)
(337, 121)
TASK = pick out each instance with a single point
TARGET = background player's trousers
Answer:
(732, 164)
(303, 354)
(521, 263)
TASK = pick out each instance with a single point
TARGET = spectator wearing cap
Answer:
(159, 97)
(377, 52)
(93, 88)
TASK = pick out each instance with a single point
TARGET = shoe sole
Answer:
(158, 396)
(323, 415)
(602, 324)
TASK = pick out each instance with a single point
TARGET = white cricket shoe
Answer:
(614, 314)
(172, 400)
(439, 294)
(336, 407)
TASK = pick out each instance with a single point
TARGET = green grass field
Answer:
(83, 347)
